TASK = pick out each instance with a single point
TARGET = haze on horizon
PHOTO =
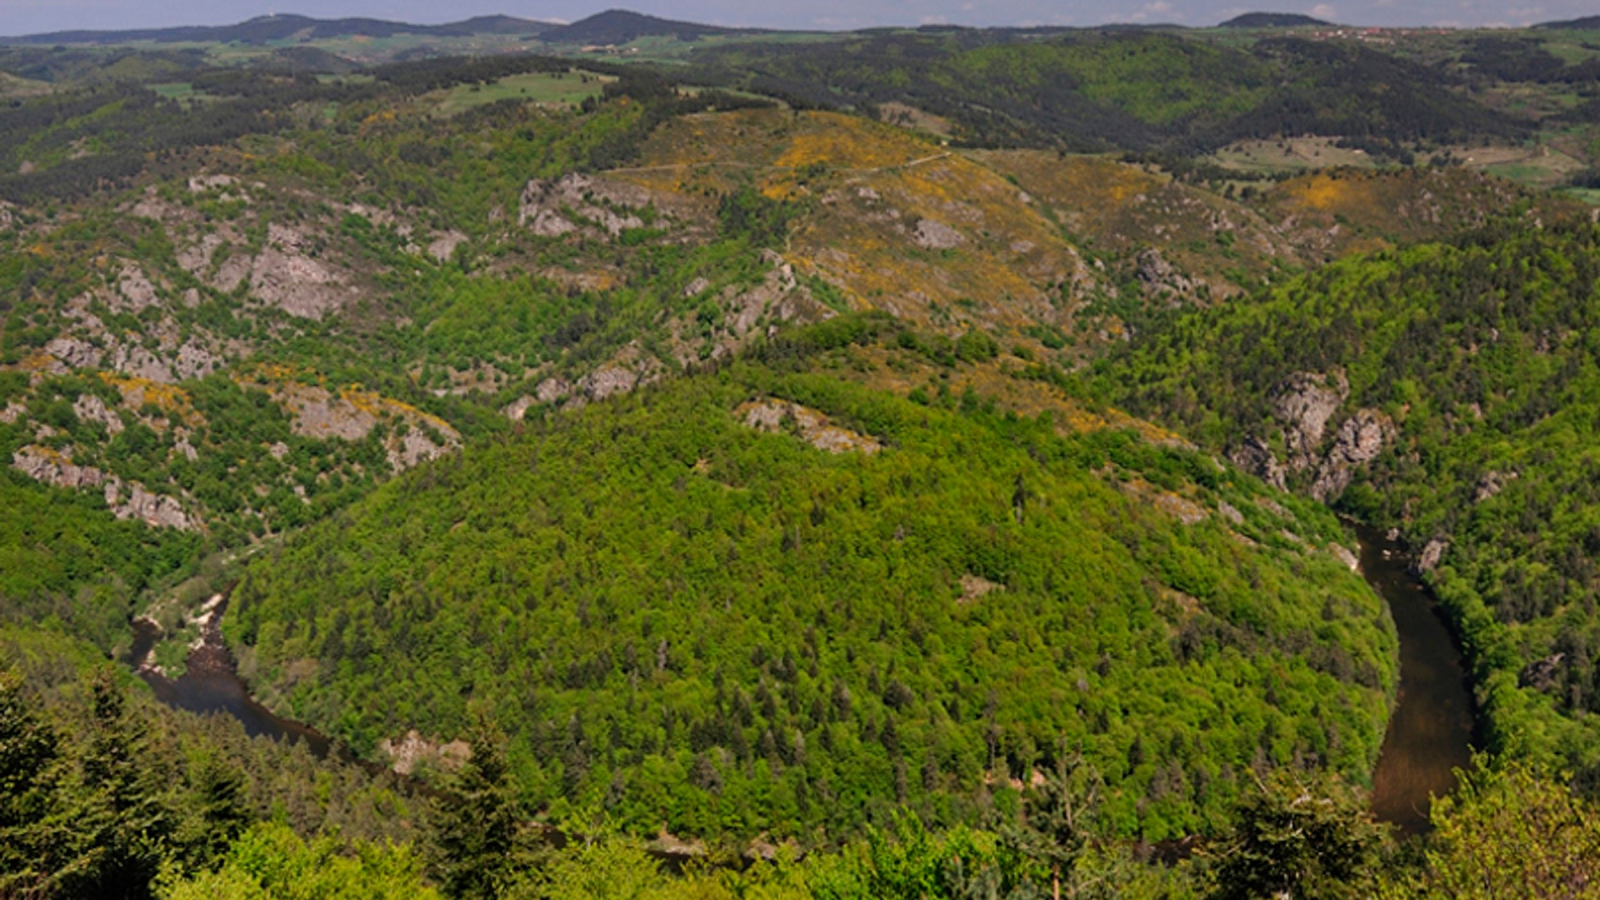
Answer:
(19, 17)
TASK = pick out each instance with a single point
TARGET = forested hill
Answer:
(1448, 390)
(617, 26)
(1273, 20)
(1128, 90)
(779, 603)
(265, 29)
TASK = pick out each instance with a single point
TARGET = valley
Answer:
(638, 458)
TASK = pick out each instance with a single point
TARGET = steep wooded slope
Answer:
(1447, 390)
(766, 602)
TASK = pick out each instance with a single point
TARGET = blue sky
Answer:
(27, 16)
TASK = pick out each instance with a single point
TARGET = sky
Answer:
(31, 16)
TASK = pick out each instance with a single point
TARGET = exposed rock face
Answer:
(90, 408)
(1346, 555)
(152, 509)
(444, 246)
(413, 750)
(75, 353)
(1255, 457)
(134, 290)
(608, 380)
(52, 467)
(1303, 404)
(1541, 673)
(136, 361)
(1157, 275)
(413, 449)
(194, 361)
(351, 415)
(1432, 554)
(6, 218)
(1361, 438)
(574, 202)
(286, 277)
(776, 416)
(974, 587)
(320, 414)
(552, 389)
(199, 184)
(517, 410)
(1491, 484)
(931, 235)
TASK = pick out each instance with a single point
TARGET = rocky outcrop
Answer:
(414, 448)
(194, 361)
(1541, 674)
(411, 752)
(1157, 275)
(1491, 484)
(931, 235)
(285, 276)
(76, 353)
(578, 202)
(152, 509)
(137, 502)
(1361, 438)
(351, 415)
(135, 361)
(54, 467)
(444, 246)
(777, 416)
(200, 184)
(1432, 554)
(517, 410)
(135, 293)
(89, 408)
(1302, 404)
(1255, 457)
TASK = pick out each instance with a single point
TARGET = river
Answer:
(211, 684)
(1430, 731)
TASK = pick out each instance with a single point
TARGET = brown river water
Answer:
(1431, 728)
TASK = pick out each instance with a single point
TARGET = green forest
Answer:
(1481, 354)
(911, 463)
(730, 631)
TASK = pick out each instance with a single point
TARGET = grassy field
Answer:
(1541, 167)
(13, 86)
(181, 91)
(546, 89)
(1590, 196)
(1289, 155)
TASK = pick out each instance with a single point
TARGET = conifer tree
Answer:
(118, 823)
(476, 825)
(28, 752)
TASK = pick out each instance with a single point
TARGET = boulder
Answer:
(931, 235)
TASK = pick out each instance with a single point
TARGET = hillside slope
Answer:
(790, 604)
(1446, 390)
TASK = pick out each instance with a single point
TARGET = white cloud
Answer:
(1324, 11)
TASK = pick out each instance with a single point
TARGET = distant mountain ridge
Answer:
(1587, 23)
(264, 29)
(1272, 20)
(620, 26)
